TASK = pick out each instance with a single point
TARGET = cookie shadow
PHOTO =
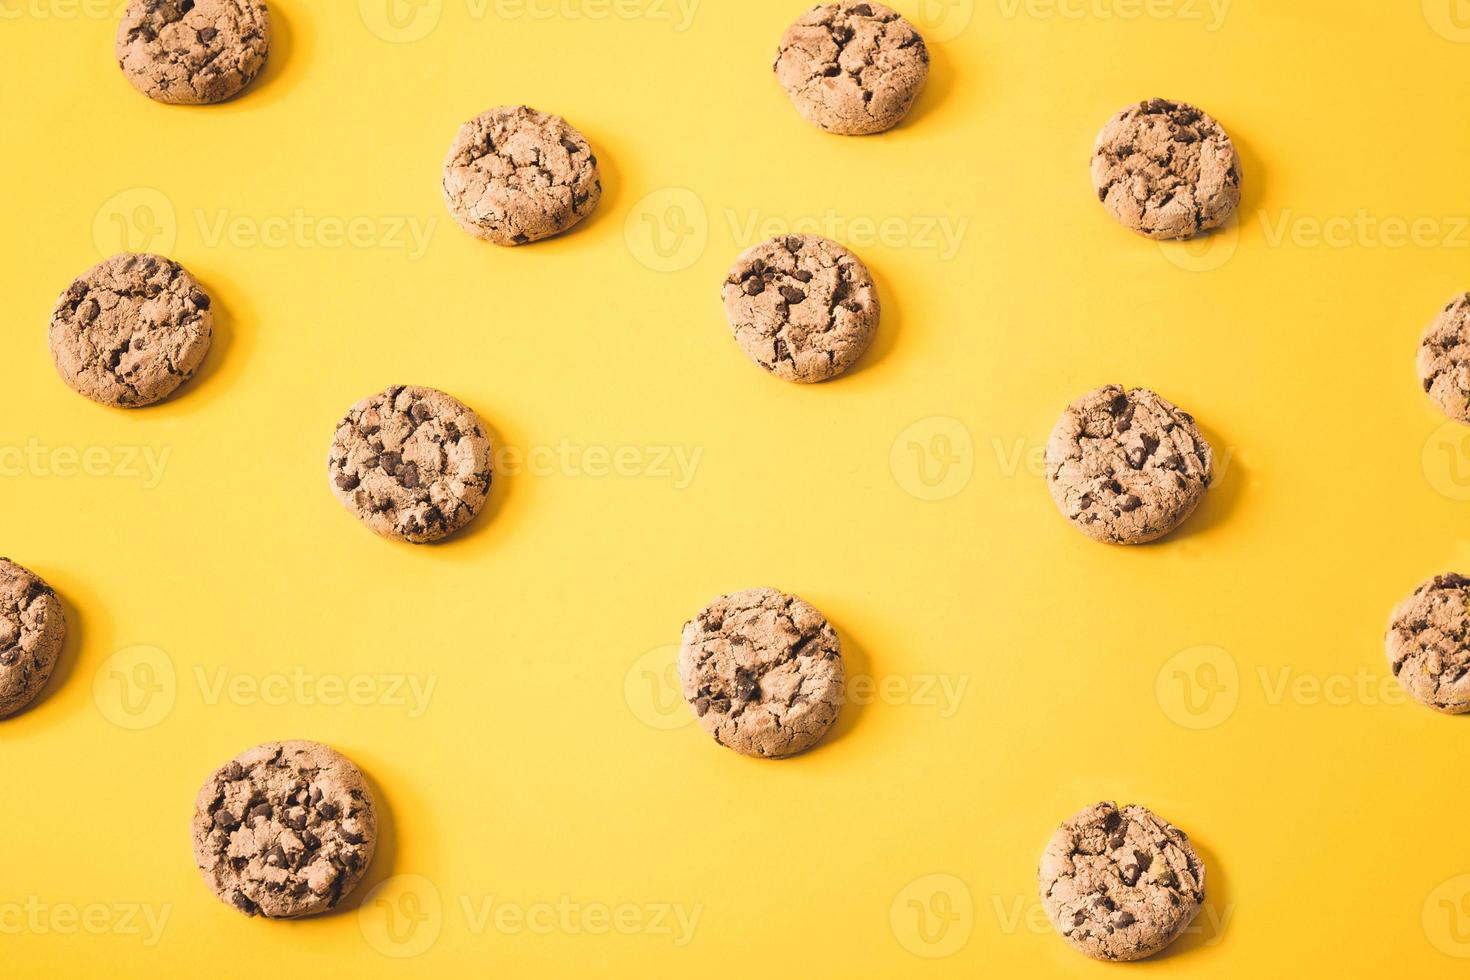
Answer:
(935, 92)
(1208, 927)
(484, 523)
(224, 304)
(890, 325)
(1252, 178)
(610, 177)
(71, 648)
(385, 856)
(855, 664)
(1221, 500)
(270, 85)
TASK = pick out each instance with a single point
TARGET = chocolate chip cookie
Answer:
(762, 672)
(1166, 170)
(285, 829)
(1429, 644)
(411, 463)
(32, 630)
(191, 52)
(1127, 466)
(1444, 359)
(131, 330)
(515, 175)
(802, 307)
(1120, 884)
(852, 68)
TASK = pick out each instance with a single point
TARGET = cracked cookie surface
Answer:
(852, 68)
(515, 175)
(1444, 359)
(32, 631)
(412, 463)
(1428, 644)
(762, 671)
(1166, 170)
(285, 829)
(192, 52)
(131, 330)
(1120, 883)
(802, 307)
(1127, 467)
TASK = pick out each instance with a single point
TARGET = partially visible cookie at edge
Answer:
(193, 52)
(32, 631)
(1127, 467)
(1120, 883)
(852, 68)
(130, 330)
(1444, 359)
(1428, 643)
(284, 830)
(802, 307)
(412, 463)
(1166, 170)
(515, 175)
(762, 671)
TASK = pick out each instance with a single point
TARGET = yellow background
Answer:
(550, 765)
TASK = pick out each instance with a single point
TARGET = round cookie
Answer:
(192, 52)
(285, 829)
(802, 307)
(515, 175)
(1120, 884)
(1444, 359)
(131, 330)
(1428, 644)
(1127, 467)
(1166, 170)
(762, 672)
(32, 630)
(411, 463)
(852, 68)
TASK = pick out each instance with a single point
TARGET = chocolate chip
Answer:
(408, 476)
(346, 481)
(792, 295)
(234, 771)
(262, 811)
(207, 35)
(754, 287)
(746, 686)
(225, 820)
(389, 462)
(328, 810)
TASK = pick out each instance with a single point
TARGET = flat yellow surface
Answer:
(548, 809)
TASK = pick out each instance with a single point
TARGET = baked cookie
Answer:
(802, 307)
(852, 68)
(191, 52)
(1166, 170)
(1444, 359)
(515, 175)
(1127, 467)
(1120, 884)
(762, 672)
(285, 829)
(131, 330)
(411, 463)
(1429, 644)
(32, 630)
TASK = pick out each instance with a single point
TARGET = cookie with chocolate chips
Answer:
(515, 175)
(762, 672)
(1428, 644)
(1127, 466)
(192, 52)
(411, 463)
(852, 68)
(1120, 883)
(284, 830)
(32, 630)
(802, 307)
(1444, 359)
(131, 330)
(1166, 170)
